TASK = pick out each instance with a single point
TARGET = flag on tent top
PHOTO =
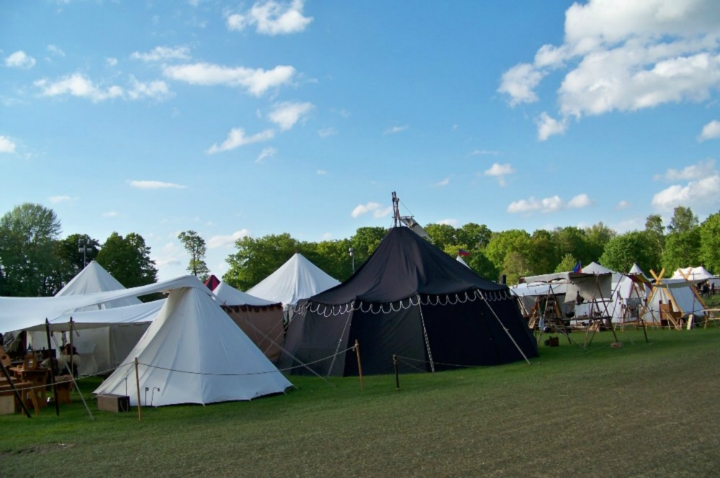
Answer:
(578, 267)
(463, 253)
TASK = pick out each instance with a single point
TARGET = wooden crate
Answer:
(113, 403)
(7, 404)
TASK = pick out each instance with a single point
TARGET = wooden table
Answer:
(38, 377)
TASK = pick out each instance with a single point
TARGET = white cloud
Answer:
(271, 18)
(321, 172)
(286, 114)
(20, 59)
(265, 154)
(710, 131)
(111, 61)
(109, 214)
(226, 241)
(326, 236)
(255, 81)
(548, 126)
(167, 255)
(449, 222)
(396, 129)
(7, 145)
(326, 132)
(696, 171)
(625, 56)
(157, 90)
(551, 204)
(163, 53)
(55, 50)
(623, 205)
(442, 182)
(58, 199)
(580, 201)
(499, 171)
(519, 82)
(78, 85)
(376, 209)
(483, 152)
(700, 192)
(237, 138)
(155, 185)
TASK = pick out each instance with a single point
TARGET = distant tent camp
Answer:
(194, 353)
(693, 274)
(295, 280)
(261, 320)
(94, 278)
(412, 300)
(671, 302)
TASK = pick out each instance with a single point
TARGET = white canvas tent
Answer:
(694, 274)
(679, 295)
(261, 320)
(194, 353)
(295, 280)
(94, 278)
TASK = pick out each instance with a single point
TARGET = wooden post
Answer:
(397, 375)
(137, 384)
(15, 390)
(72, 350)
(52, 372)
(357, 353)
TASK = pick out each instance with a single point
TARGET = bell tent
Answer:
(412, 300)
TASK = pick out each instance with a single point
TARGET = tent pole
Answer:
(427, 341)
(137, 383)
(357, 353)
(52, 372)
(503, 326)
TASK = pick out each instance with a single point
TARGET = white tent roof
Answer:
(19, 313)
(635, 269)
(132, 314)
(595, 268)
(225, 294)
(295, 280)
(693, 273)
(93, 278)
(462, 261)
(194, 353)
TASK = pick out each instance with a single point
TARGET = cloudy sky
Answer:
(242, 118)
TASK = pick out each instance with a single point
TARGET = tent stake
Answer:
(137, 383)
(397, 375)
(357, 353)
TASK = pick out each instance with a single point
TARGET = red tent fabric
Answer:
(212, 282)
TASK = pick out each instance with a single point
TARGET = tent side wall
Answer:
(263, 325)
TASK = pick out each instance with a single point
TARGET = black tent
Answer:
(412, 300)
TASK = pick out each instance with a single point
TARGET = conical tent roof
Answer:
(462, 261)
(404, 265)
(94, 278)
(295, 280)
(692, 273)
(635, 269)
(595, 268)
(225, 294)
(194, 353)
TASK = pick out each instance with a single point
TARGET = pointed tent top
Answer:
(212, 282)
(635, 269)
(461, 261)
(225, 294)
(405, 265)
(192, 334)
(595, 268)
(692, 273)
(94, 278)
(295, 280)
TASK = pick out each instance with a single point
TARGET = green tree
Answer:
(544, 257)
(683, 220)
(27, 236)
(195, 246)
(515, 266)
(572, 240)
(682, 249)
(365, 241)
(505, 242)
(622, 251)
(656, 231)
(710, 243)
(127, 259)
(597, 236)
(333, 257)
(442, 235)
(567, 263)
(475, 236)
(483, 266)
(70, 258)
(256, 259)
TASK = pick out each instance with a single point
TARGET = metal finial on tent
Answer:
(396, 210)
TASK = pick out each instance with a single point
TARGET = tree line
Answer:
(34, 262)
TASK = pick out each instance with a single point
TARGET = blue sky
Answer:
(254, 118)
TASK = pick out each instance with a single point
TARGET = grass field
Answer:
(641, 410)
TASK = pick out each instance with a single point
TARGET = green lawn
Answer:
(641, 410)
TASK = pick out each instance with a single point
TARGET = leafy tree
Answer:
(682, 249)
(572, 240)
(333, 257)
(505, 242)
(683, 220)
(515, 265)
(442, 235)
(67, 251)
(483, 266)
(365, 241)
(597, 236)
(127, 259)
(475, 236)
(622, 251)
(195, 246)
(27, 235)
(656, 231)
(567, 263)
(258, 258)
(544, 257)
(710, 243)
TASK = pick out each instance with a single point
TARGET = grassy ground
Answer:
(641, 410)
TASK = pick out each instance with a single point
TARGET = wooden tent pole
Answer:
(52, 372)
(137, 384)
(357, 353)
